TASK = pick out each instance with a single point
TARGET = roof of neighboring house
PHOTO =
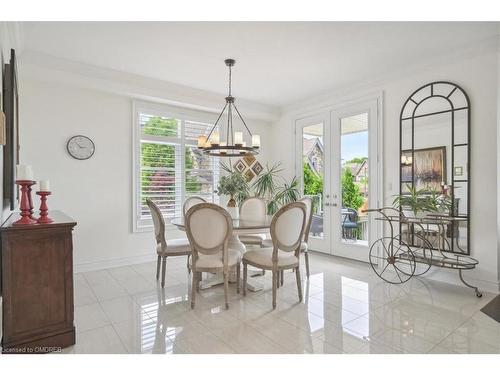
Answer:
(309, 144)
(356, 168)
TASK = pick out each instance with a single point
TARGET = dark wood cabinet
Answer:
(37, 285)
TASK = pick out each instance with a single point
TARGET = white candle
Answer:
(215, 138)
(202, 140)
(238, 138)
(255, 140)
(24, 172)
(45, 185)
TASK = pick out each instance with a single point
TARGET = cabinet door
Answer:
(38, 283)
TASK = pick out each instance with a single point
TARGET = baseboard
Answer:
(110, 263)
(452, 277)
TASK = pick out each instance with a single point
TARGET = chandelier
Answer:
(234, 145)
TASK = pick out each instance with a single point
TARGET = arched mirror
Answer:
(435, 152)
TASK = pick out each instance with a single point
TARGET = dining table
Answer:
(240, 227)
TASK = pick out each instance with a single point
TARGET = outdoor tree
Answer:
(351, 195)
(313, 184)
(155, 155)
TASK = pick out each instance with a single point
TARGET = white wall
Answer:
(477, 74)
(97, 192)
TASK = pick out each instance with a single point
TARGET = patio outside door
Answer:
(339, 169)
(313, 165)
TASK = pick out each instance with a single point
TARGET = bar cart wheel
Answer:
(421, 249)
(392, 260)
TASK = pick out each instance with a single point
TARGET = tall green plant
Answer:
(274, 189)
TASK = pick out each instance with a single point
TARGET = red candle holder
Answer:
(26, 210)
(32, 207)
(44, 210)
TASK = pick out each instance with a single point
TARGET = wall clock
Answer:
(80, 147)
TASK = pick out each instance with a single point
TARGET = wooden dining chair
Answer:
(209, 228)
(253, 209)
(190, 202)
(165, 248)
(304, 247)
(287, 230)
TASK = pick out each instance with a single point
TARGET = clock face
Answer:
(80, 147)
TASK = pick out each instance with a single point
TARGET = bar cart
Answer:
(420, 243)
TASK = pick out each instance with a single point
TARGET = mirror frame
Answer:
(415, 99)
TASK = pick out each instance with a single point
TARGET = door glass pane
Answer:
(354, 178)
(313, 173)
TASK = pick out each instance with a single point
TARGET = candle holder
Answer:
(32, 207)
(26, 210)
(44, 215)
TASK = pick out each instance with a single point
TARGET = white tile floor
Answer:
(346, 309)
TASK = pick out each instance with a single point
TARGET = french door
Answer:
(337, 159)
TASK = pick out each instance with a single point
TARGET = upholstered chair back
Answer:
(208, 227)
(287, 228)
(309, 213)
(190, 202)
(158, 222)
(253, 209)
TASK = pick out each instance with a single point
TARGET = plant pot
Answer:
(232, 208)
(411, 215)
(233, 211)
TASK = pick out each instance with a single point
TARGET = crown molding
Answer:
(46, 68)
(486, 46)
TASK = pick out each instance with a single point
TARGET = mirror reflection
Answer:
(434, 154)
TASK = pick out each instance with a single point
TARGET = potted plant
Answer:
(419, 202)
(234, 185)
(268, 186)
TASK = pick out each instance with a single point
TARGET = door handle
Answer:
(327, 203)
(334, 204)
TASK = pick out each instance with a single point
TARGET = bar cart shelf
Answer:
(421, 243)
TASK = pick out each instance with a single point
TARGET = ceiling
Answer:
(278, 63)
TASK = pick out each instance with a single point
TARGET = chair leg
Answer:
(306, 255)
(263, 272)
(282, 277)
(238, 273)
(163, 271)
(299, 284)
(193, 288)
(226, 289)
(275, 286)
(187, 265)
(158, 266)
(278, 280)
(245, 271)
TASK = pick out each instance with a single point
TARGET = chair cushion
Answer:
(215, 261)
(178, 246)
(263, 257)
(269, 243)
(252, 239)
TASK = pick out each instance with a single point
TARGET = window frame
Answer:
(162, 110)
